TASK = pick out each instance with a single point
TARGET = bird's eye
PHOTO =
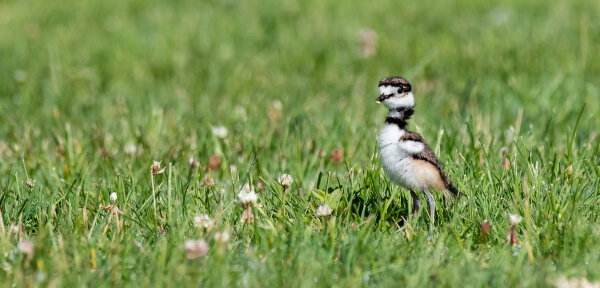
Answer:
(400, 90)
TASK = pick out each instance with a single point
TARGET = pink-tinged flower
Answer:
(505, 160)
(247, 215)
(203, 221)
(155, 168)
(193, 163)
(337, 156)
(485, 230)
(222, 237)
(26, 247)
(214, 163)
(196, 248)
(512, 233)
(247, 198)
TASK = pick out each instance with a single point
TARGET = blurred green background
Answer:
(82, 81)
(198, 61)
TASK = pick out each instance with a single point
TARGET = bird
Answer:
(406, 157)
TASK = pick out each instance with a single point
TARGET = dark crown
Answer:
(396, 81)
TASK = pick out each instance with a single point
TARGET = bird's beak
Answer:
(380, 99)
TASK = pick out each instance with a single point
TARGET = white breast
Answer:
(390, 134)
(397, 161)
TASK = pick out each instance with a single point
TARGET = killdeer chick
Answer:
(407, 159)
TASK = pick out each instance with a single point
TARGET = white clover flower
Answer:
(30, 184)
(515, 219)
(195, 248)
(575, 282)
(247, 196)
(323, 210)
(220, 131)
(130, 149)
(193, 162)
(14, 229)
(285, 180)
(26, 247)
(113, 197)
(222, 237)
(203, 221)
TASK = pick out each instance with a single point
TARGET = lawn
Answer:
(229, 92)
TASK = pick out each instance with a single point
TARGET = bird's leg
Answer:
(431, 202)
(416, 203)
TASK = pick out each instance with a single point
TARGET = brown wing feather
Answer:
(426, 154)
(429, 156)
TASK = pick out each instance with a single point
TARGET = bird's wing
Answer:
(427, 155)
(423, 154)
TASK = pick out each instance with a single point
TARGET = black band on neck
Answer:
(400, 116)
(392, 120)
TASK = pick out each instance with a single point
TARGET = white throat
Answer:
(397, 101)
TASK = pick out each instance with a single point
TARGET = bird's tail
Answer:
(453, 190)
(450, 187)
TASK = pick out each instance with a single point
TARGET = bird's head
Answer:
(395, 92)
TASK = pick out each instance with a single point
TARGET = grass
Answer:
(83, 82)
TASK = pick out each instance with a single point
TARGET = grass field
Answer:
(92, 92)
